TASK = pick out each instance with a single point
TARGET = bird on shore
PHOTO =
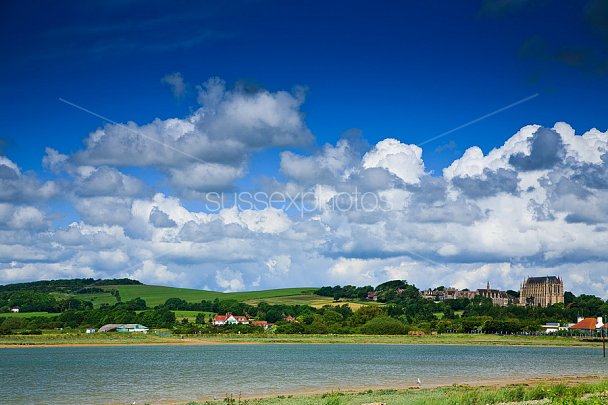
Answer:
(418, 382)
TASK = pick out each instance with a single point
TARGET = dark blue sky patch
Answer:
(546, 150)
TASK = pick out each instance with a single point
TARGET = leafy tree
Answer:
(330, 316)
(513, 293)
(383, 325)
(365, 314)
(200, 319)
(502, 326)
(29, 301)
(568, 297)
(9, 325)
(273, 315)
(176, 304)
(136, 304)
(157, 318)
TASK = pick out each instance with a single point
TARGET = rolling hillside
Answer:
(101, 292)
(156, 295)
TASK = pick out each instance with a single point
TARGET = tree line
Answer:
(73, 285)
(400, 309)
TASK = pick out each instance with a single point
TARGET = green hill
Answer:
(101, 292)
(156, 295)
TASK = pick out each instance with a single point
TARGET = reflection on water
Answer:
(123, 374)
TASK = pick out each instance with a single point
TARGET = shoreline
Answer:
(490, 384)
(83, 340)
(258, 343)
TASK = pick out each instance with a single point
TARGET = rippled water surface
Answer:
(124, 374)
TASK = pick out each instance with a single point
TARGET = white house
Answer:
(15, 309)
(229, 319)
(552, 327)
(133, 327)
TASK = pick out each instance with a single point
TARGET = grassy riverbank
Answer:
(566, 391)
(446, 339)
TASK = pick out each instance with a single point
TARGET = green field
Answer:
(156, 295)
(190, 315)
(97, 298)
(26, 314)
(299, 299)
(439, 315)
(316, 301)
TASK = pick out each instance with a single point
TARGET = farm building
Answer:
(124, 327)
(133, 327)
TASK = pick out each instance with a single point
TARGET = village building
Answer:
(434, 295)
(372, 296)
(15, 309)
(500, 298)
(124, 327)
(552, 327)
(263, 324)
(229, 319)
(542, 291)
(289, 318)
(588, 324)
(466, 294)
(449, 293)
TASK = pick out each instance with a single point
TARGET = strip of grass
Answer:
(269, 338)
(26, 314)
(558, 393)
(59, 339)
(190, 315)
(445, 339)
(301, 299)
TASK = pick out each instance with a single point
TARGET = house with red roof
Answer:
(263, 324)
(229, 319)
(588, 324)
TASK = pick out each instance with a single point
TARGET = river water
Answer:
(152, 374)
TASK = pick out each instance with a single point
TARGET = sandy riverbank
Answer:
(406, 389)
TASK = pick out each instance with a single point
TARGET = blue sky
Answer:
(343, 70)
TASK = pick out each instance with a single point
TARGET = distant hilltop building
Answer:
(498, 297)
(542, 291)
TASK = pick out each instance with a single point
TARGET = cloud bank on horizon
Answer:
(536, 205)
